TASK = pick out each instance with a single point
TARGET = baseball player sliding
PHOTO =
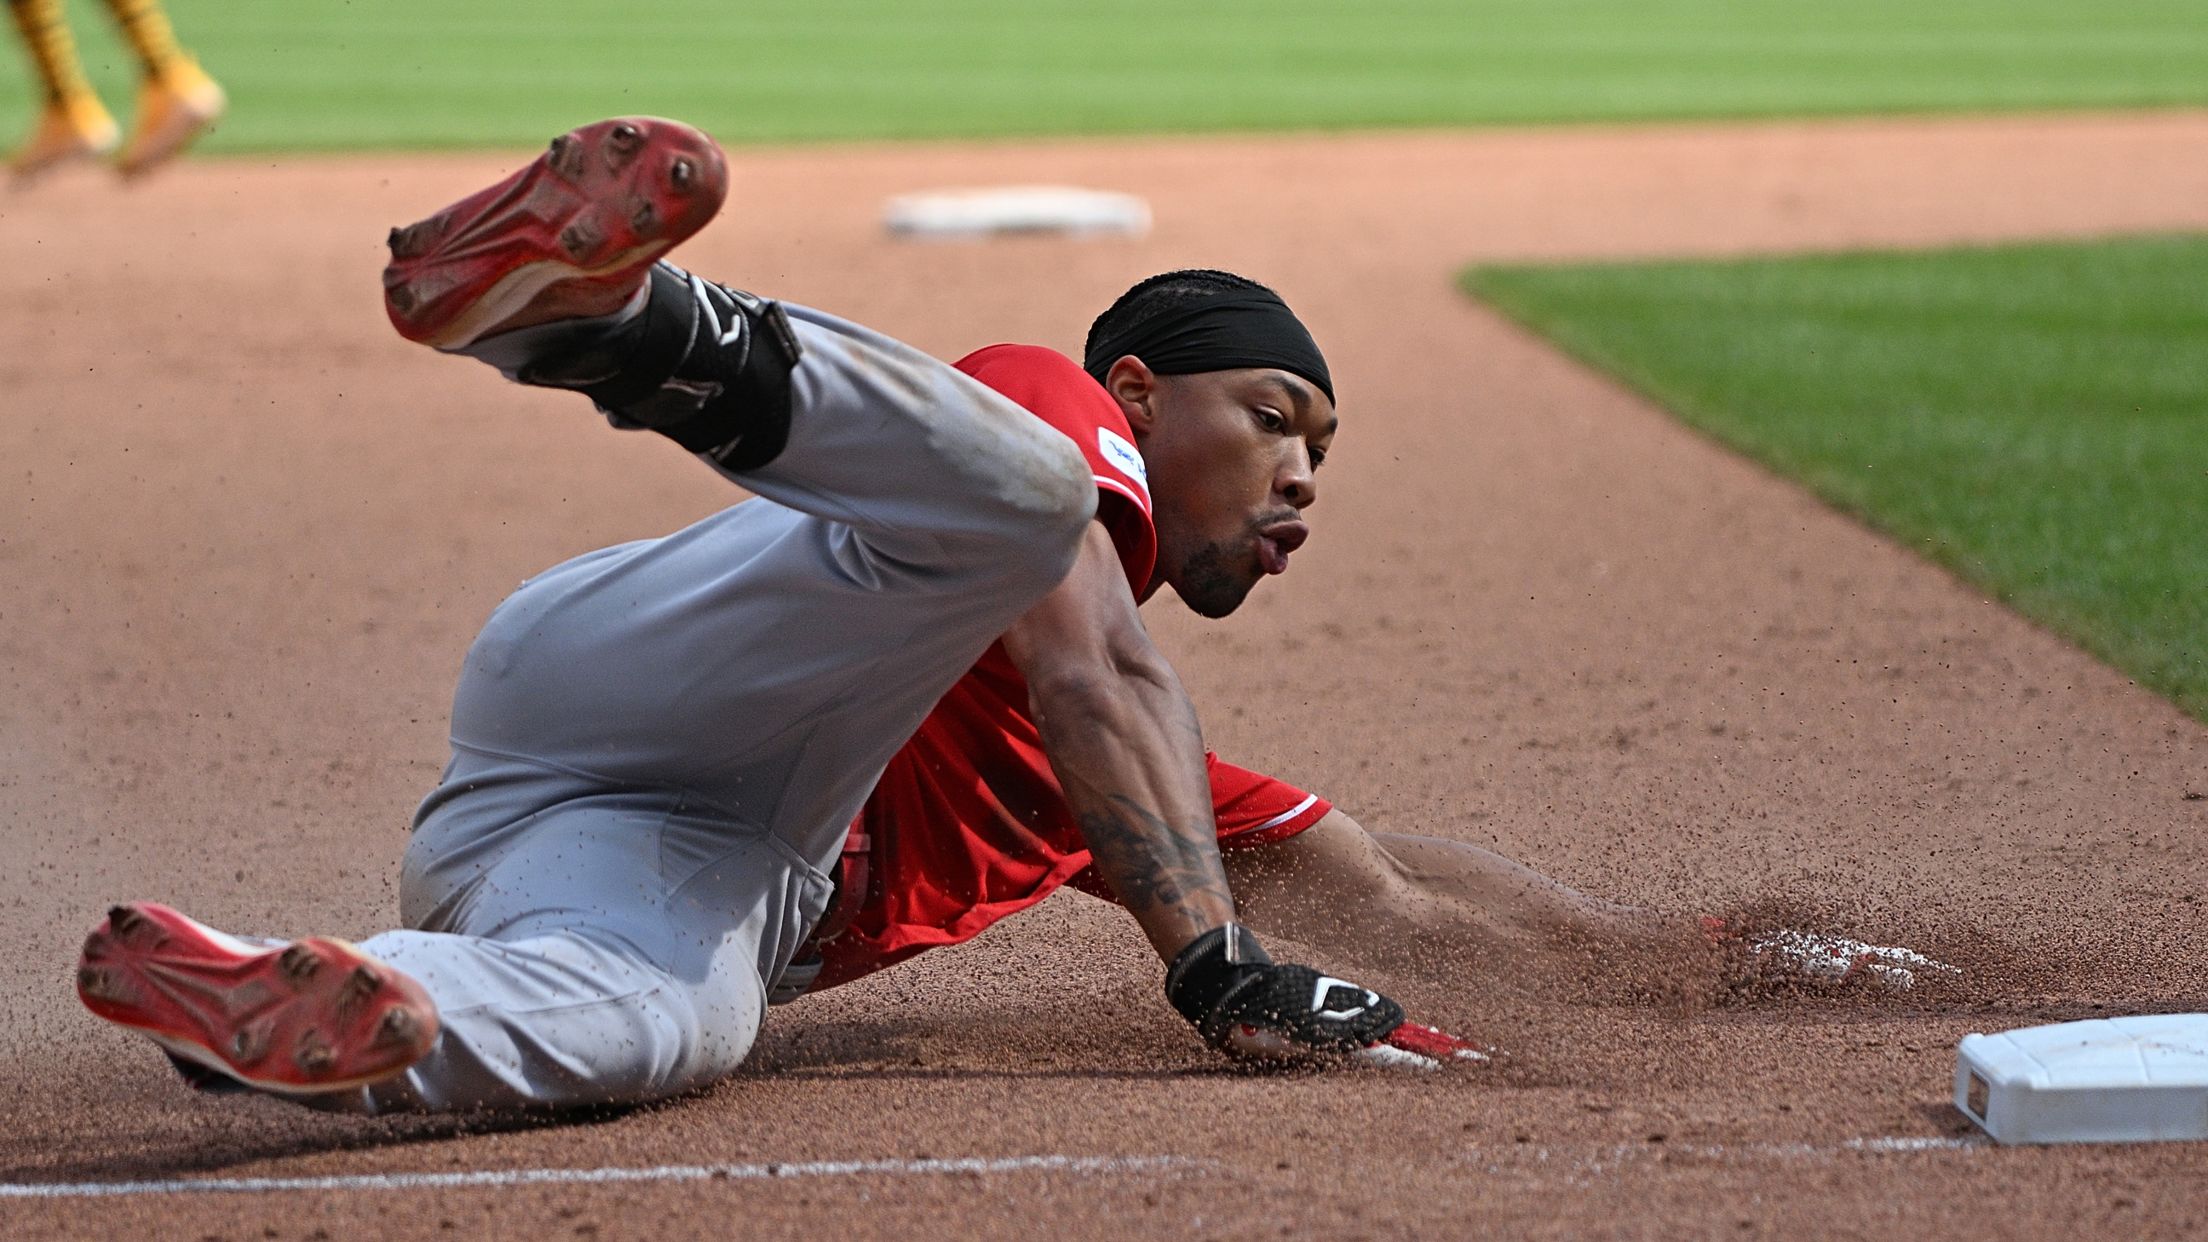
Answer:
(901, 694)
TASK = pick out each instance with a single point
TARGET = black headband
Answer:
(1240, 329)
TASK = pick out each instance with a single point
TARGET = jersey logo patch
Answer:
(1119, 451)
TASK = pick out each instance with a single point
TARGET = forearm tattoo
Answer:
(1152, 865)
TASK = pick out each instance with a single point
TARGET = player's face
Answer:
(1232, 457)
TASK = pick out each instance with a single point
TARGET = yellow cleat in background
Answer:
(175, 106)
(67, 130)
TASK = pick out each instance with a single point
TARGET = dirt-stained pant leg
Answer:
(658, 747)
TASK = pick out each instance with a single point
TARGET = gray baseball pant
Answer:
(658, 747)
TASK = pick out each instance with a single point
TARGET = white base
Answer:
(2107, 1080)
(1017, 209)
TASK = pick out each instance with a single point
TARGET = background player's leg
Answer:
(72, 123)
(177, 101)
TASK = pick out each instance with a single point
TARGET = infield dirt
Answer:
(246, 533)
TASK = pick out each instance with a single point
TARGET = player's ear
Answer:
(1135, 387)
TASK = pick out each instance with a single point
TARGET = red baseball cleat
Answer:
(570, 236)
(312, 1016)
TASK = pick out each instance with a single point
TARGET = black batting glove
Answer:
(1254, 1009)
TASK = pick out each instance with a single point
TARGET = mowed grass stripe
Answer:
(2034, 417)
(433, 73)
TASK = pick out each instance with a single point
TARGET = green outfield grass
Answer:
(318, 74)
(2034, 417)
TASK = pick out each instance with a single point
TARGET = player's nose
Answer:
(1296, 484)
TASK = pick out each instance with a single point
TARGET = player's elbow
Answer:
(1104, 690)
(1090, 708)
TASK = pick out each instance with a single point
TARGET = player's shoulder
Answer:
(1055, 389)
(1035, 363)
(1048, 385)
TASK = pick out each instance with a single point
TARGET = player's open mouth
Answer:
(1276, 541)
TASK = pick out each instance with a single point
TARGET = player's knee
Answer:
(720, 1020)
(1072, 490)
(653, 1032)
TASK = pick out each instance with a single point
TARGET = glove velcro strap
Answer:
(1210, 967)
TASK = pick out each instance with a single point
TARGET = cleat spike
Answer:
(579, 238)
(359, 986)
(409, 241)
(314, 1055)
(299, 962)
(396, 1028)
(129, 924)
(97, 983)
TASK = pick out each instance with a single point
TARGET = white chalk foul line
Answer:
(537, 1177)
(1609, 1161)
(1905, 1143)
(1894, 1144)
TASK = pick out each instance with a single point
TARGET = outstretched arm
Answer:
(1123, 739)
(1422, 903)
(1427, 905)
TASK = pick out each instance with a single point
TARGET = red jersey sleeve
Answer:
(1054, 388)
(1250, 808)
(1255, 809)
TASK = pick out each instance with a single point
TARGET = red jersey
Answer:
(968, 824)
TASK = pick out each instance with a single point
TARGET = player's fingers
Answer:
(1389, 1057)
(1910, 957)
(1427, 1044)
